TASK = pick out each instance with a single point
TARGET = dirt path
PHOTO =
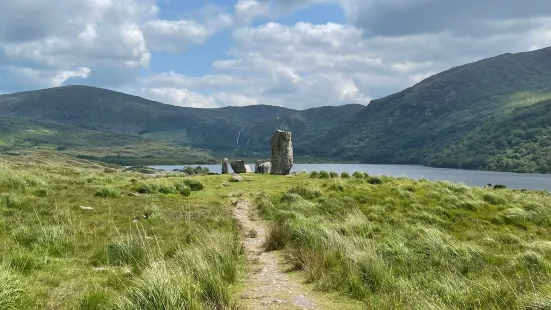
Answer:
(267, 286)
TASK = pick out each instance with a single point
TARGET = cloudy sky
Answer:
(294, 53)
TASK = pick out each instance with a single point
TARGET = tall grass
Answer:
(404, 244)
(65, 248)
(11, 289)
(198, 276)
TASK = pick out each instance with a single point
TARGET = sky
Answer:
(293, 53)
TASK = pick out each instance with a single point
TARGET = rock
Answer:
(86, 208)
(236, 178)
(239, 166)
(263, 167)
(282, 153)
(225, 166)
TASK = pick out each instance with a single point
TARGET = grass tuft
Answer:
(11, 290)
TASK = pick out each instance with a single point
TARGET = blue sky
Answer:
(292, 53)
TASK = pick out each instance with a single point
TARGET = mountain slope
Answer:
(422, 124)
(214, 129)
(18, 133)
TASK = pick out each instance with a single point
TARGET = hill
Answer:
(482, 115)
(24, 134)
(213, 129)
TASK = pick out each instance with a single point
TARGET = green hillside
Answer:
(19, 135)
(482, 115)
(213, 129)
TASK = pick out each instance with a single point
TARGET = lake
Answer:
(469, 177)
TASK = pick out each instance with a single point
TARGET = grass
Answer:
(81, 235)
(84, 235)
(396, 243)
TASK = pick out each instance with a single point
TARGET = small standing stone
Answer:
(264, 168)
(225, 164)
(282, 152)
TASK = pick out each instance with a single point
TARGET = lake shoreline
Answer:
(478, 178)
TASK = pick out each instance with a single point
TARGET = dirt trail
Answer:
(267, 286)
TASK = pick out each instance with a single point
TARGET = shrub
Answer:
(314, 174)
(333, 175)
(162, 186)
(345, 175)
(195, 170)
(184, 190)
(500, 186)
(194, 185)
(358, 175)
(374, 180)
(323, 174)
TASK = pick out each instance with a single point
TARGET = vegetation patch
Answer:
(406, 244)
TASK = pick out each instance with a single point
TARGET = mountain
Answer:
(19, 133)
(490, 114)
(243, 131)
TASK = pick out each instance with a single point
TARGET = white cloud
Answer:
(175, 36)
(385, 47)
(49, 43)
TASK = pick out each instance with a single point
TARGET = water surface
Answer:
(469, 177)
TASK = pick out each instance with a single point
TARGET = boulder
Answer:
(282, 153)
(239, 166)
(236, 178)
(263, 167)
(225, 164)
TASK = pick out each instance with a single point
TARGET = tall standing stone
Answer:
(282, 152)
(239, 166)
(225, 165)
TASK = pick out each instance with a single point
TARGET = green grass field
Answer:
(77, 234)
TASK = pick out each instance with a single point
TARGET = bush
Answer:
(333, 175)
(324, 174)
(194, 185)
(358, 175)
(314, 174)
(195, 170)
(374, 180)
(500, 186)
(184, 190)
(345, 175)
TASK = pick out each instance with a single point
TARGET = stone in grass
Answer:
(236, 178)
(86, 208)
